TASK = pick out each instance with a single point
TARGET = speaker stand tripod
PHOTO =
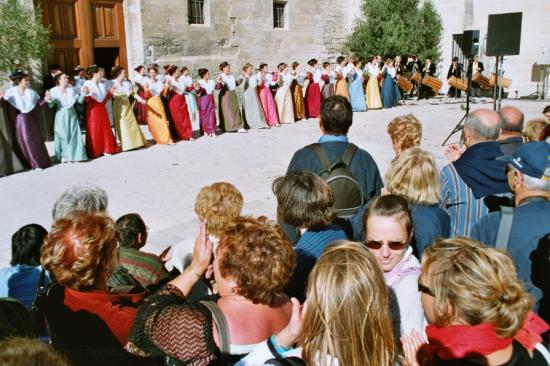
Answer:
(459, 126)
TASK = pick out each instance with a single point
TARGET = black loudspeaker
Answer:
(504, 34)
(470, 42)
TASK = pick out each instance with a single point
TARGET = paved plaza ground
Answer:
(161, 182)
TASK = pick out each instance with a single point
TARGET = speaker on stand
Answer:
(503, 39)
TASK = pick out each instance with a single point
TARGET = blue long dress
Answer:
(356, 93)
(389, 99)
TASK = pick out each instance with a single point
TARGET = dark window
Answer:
(196, 11)
(278, 15)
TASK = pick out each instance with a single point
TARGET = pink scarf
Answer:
(409, 265)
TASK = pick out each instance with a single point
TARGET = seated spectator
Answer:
(545, 134)
(479, 312)
(510, 136)
(405, 132)
(528, 172)
(473, 174)
(540, 258)
(345, 319)
(21, 279)
(80, 198)
(334, 122)
(29, 352)
(388, 234)
(304, 201)
(546, 113)
(86, 323)
(251, 264)
(15, 320)
(413, 175)
(533, 129)
(218, 204)
(146, 268)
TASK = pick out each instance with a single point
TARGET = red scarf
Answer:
(467, 341)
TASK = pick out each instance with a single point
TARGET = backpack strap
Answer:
(348, 154)
(321, 155)
(505, 227)
(221, 325)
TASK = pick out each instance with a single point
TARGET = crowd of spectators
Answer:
(437, 267)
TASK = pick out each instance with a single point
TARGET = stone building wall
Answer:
(236, 31)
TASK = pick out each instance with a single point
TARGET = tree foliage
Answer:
(392, 27)
(24, 38)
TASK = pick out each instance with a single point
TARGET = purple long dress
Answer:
(30, 144)
(207, 107)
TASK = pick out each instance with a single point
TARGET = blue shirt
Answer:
(530, 224)
(333, 138)
(308, 249)
(20, 282)
(429, 223)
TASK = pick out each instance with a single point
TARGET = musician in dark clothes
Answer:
(428, 68)
(400, 69)
(477, 67)
(454, 70)
(48, 81)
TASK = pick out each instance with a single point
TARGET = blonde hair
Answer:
(347, 312)
(405, 131)
(479, 283)
(247, 65)
(533, 128)
(218, 204)
(413, 175)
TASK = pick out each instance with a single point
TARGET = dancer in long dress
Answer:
(356, 94)
(9, 161)
(283, 98)
(23, 102)
(297, 92)
(207, 107)
(313, 91)
(126, 126)
(68, 143)
(266, 97)
(328, 78)
(156, 114)
(389, 99)
(177, 104)
(229, 111)
(252, 108)
(187, 83)
(140, 80)
(342, 69)
(373, 89)
(99, 135)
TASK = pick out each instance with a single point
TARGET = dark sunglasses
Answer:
(393, 245)
(424, 289)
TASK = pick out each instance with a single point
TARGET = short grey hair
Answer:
(536, 184)
(480, 130)
(82, 198)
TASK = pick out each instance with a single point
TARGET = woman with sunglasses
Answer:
(387, 235)
(478, 310)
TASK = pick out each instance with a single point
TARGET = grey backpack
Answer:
(348, 195)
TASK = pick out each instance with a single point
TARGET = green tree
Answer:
(391, 27)
(23, 37)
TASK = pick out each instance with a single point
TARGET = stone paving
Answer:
(161, 182)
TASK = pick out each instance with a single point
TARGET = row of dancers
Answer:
(168, 102)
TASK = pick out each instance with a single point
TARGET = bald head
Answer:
(512, 120)
(483, 125)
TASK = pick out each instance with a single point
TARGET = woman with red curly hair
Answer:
(86, 322)
(251, 264)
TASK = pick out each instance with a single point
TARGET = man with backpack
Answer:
(351, 172)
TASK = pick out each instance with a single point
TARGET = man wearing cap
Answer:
(528, 172)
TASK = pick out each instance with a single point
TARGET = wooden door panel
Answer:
(66, 58)
(104, 21)
(62, 18)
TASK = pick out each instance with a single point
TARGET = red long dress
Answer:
(140, 110)
(313, 97)
(180, 115)
(99, 135)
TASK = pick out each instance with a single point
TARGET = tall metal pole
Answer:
(495, 95)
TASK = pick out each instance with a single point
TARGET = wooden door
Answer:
(80, 26)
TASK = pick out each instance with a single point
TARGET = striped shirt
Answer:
(146, 268)
(458, 200)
